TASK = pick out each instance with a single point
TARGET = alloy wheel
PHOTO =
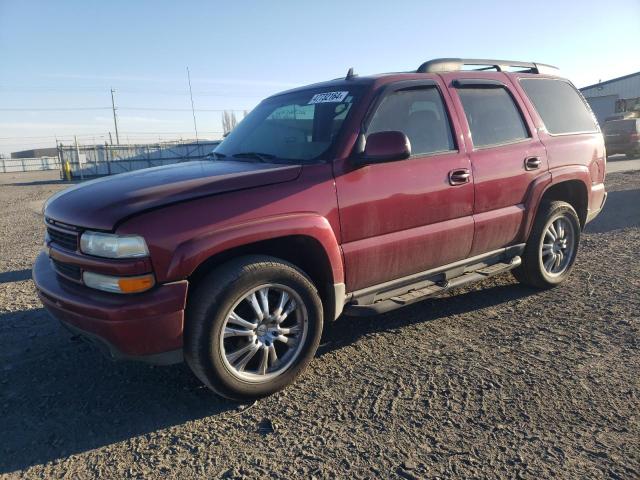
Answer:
(263, 333)
(558, 246)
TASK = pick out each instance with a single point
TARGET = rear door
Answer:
(506, 156)
(403, 217)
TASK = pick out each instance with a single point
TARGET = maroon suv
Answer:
(356, 195)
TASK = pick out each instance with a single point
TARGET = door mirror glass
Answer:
(385, 147)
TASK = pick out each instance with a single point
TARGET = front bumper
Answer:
(146, 326)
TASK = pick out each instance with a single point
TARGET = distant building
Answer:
(603, 95)
(36, 153)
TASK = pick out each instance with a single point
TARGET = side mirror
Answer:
(385, 147)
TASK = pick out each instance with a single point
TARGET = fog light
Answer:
(109, 283)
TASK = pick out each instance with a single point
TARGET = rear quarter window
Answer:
(559, 105)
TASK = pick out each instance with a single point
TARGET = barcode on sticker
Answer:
(328, 97)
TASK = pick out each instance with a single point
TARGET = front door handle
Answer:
(532, 163)
(459, 176)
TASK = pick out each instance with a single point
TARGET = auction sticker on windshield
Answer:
(328, 97)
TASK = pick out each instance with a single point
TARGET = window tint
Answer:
(492, 115)
(559, 105)
(420, 115)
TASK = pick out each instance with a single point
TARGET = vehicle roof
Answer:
(384, 78)
(335, 83)
(483, 67)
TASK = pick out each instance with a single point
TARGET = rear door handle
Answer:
(459, 176)
(532, 163)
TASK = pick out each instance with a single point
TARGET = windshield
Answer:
(293, 128)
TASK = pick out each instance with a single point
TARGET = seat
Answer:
(427, 133)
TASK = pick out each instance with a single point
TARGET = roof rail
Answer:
(454, 64)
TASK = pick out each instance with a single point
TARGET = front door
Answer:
(403, 217)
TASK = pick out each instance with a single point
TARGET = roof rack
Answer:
(439, 65)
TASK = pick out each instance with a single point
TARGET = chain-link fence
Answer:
(12, 165)
(99, 160)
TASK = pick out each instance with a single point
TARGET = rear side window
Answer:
(420, 115)
(493, 116)
(559, 105)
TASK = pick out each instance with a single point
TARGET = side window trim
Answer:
(392, 88)
(477, 83)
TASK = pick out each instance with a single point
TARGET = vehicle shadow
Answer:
(621, 210)
(15, 275)
(60, 397)
(36, 183)
(347, 330)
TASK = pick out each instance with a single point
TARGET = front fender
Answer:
(193, 252)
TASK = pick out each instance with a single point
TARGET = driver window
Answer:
(420, 115)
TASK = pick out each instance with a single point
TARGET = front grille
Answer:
(67, 269)
(66, 240)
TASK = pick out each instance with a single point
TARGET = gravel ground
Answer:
(495, 380)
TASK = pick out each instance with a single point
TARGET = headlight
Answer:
(108, 283)
(109, 245)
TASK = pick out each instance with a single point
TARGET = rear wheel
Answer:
(252, 327)
(552, 246)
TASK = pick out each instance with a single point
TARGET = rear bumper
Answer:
(591, 214)
(146, 326)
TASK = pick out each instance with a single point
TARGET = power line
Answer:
(151, 109)
(181, 132)
(193, 110)
(52, 109)
(155, 109)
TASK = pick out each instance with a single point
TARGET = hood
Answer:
(99, 204)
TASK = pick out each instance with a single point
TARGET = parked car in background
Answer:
(356, 195)
(622, 136)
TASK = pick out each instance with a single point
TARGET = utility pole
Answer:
(193, 111)
(115, 119)
(75, 138)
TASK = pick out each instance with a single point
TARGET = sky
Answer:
(59, 59)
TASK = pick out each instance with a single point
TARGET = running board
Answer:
(418, 293)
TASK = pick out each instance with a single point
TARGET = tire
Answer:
(231, 297)
(534, 270)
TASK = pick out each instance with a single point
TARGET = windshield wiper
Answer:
(262, 157)
(215, 155)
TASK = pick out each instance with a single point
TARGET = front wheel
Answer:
(552, 246)
(252, 326)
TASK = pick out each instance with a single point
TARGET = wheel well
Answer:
(574, 193)
(304, 252)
